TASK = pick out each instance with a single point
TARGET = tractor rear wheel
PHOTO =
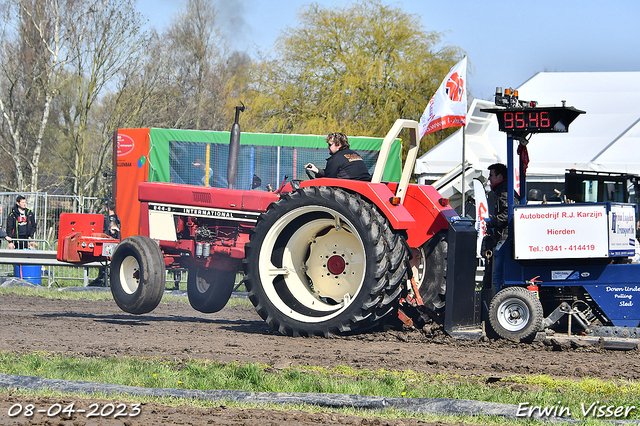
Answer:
(209, 289)
(516, 313)
(322, 261)
(137, 274)
(429, 266)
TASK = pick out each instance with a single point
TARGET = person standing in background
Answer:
(498, 220)
(199, 173)
(21, 224)
(111, 221)
(111, 228)
(3, 234)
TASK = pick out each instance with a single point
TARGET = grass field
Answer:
(187, 373)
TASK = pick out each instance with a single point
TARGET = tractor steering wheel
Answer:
(308, 172)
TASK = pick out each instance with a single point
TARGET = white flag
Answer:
(482, 212)
(448, 107)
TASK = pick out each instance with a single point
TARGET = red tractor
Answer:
(320, 257)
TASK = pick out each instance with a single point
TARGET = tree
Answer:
(105, 54)
(36, 45)
(354, 69)
(195, 79)
(192, 51)
(59, 57)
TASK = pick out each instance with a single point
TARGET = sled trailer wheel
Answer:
(516, 313)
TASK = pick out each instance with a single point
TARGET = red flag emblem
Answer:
(455, 87)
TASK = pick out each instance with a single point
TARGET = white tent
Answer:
(606, 138)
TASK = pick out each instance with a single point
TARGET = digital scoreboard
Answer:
(535, 119)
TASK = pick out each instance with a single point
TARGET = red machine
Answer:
(82, 240)
(319, 257)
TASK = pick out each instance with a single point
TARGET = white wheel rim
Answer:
(513, 314)
(308, 279)
(130, 274)
(202, 285)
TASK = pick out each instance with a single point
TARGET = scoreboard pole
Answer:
(511, 172)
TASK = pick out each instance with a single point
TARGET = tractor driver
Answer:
(343, 162)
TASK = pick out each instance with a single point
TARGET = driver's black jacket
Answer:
(345, 164)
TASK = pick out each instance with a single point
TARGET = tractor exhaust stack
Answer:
(234, 148)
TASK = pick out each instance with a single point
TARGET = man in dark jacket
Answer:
(498, 220)
(343, 162)
(21, 224)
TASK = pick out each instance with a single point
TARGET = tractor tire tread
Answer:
(382, 241)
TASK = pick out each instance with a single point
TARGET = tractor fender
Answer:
(431, 211)
(378, 193)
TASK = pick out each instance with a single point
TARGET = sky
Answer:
(507, 41)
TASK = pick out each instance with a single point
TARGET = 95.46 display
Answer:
(535, 120)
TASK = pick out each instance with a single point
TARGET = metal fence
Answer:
(47, 209)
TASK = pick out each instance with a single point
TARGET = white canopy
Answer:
(606, 138)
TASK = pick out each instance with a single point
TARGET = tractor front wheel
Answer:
(322, 261)
(209, 290)
(137, 274)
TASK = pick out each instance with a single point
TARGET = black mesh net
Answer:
(258, 165)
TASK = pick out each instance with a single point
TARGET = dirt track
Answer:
(174, 330)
